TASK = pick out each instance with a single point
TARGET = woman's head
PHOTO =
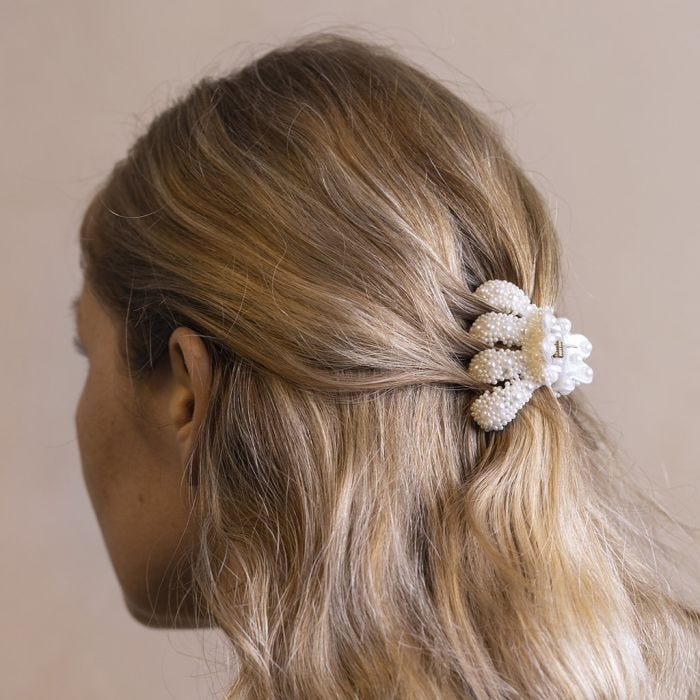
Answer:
(283, 265)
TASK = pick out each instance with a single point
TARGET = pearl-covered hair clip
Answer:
(550, 354)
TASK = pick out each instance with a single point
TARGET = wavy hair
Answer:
(321, 217)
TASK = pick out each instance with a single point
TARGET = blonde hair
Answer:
(321, 217)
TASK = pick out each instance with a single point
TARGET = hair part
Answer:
(321, 217)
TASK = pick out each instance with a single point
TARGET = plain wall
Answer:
(598, 99)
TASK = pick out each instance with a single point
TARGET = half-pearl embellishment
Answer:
(549, 354)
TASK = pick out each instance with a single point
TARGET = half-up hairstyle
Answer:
(321, 217)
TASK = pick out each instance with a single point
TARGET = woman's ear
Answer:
(190, 365)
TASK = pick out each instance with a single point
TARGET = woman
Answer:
(280, 429)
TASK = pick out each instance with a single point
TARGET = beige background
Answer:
(598, 98)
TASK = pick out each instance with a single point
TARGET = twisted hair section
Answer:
(321, 217)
